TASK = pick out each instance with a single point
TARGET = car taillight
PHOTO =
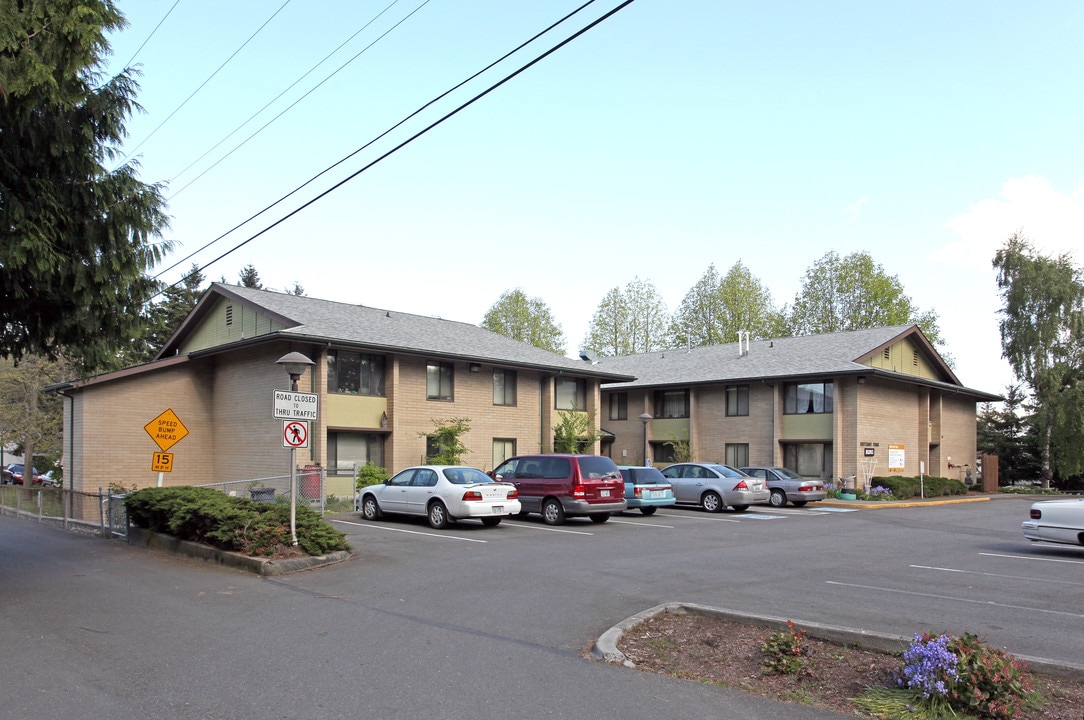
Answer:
(513, 494)
(741, 485)
(807, 488)
(472, 495)
(1036, 514)
(638, 491)
(579, 492)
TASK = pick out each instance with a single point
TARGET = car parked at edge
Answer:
(1056, 521)
(786, 485)
(562, 486)
(646, 489)
(13, 474)
(715, 487)
(442, 493)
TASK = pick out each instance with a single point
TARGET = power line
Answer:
(211, 77)
(140, 48)
(331, 167)
(413, 137)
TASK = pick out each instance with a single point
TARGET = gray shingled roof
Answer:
(327, 321)
(789, 357)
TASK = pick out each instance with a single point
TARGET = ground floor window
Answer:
(662, 452)
(809, 459)
(346, 450)
(503, 448)
(737, 454)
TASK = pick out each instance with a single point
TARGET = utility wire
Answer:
(140, 49)
(185, 101)
(331, 167)
(418, 134)
(286, 90)
(290, 107)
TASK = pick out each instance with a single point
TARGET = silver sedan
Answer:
(787, 485)
(715, 487)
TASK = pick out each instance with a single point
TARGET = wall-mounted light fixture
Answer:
(474, 367)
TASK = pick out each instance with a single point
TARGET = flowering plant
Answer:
(929, 665)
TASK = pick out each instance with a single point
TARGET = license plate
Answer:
(498, 508)
(604, 493)
(656, 493)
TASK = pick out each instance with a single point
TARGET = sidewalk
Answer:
(910, 502)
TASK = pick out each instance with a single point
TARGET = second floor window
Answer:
(504, 387)
(439, 378)
(351, 373)
(807, 398)
(672, 404)
(619, 406)
(737, 400)
(570, 393)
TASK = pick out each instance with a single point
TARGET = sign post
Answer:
(295, 409)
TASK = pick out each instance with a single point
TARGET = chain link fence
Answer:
(102, 512)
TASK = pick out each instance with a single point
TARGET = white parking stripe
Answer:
(997, 575)
(527, 526)
(1032, 557)
(643, 524)
(954, 599)
(389, 528)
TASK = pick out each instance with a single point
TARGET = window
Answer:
(570, 393)
(663, 452)
(737, 400)
(809, 459)
(347, 450)
(503, 448)
(504, 387)
(438, 381)
(806, 398)
(619, 406)
(354, 373)
(672, 404)
(737, 454)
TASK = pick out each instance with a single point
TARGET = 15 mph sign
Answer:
(296, 405)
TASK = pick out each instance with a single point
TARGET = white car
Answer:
(1057, 521)
(444, 494)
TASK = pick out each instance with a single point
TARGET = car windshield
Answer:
(598, 468)
(646, 476)
(727, 471)
(466, 476)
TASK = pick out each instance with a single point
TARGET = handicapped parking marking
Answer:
(759, 516)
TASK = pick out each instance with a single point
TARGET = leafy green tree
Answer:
(525, 319)
(855, 293)
(1042, 337)
(718, 308)
(75, 238)
(633, 320)
(28, 417)
(167, 315)
(446, 441)
(574, 431)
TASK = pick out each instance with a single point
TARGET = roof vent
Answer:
(588, 355)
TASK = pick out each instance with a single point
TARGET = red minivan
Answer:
(560, 486)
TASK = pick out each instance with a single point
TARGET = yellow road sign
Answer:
(166, 430)
(162, 462)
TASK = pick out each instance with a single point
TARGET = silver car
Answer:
(787, 485)
(715, 487)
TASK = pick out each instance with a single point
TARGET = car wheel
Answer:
(553, 513)
(438, 516)
(370, 510)
(799, 503)
(778, 498)
(600, 517)
(739, 508)
(648, 510)
(712, 502)
(491, 521)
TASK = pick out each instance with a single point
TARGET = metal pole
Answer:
(293, 477)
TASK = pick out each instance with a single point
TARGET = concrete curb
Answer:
(890, 504)
(605, 648)
(259, 566)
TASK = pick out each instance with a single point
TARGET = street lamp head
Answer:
(294, 363)
(646, 417)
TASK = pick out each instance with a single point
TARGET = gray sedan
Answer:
(715, 487)
(787, 485)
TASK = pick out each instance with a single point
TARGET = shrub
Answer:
(904, 487)
(966, 675)
(231, 523)
(783, 652)
(370, 474)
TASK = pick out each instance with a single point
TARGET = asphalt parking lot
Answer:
(482, 622)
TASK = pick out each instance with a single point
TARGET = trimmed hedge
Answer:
(236, 524)
(908, 487)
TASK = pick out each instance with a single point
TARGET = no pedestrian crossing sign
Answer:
(295, 434)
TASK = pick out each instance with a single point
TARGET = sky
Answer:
(672, 136)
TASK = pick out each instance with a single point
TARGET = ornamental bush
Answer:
(231, 523)
(967, 675)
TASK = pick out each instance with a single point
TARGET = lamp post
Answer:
(645, 418)
(295, 365)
